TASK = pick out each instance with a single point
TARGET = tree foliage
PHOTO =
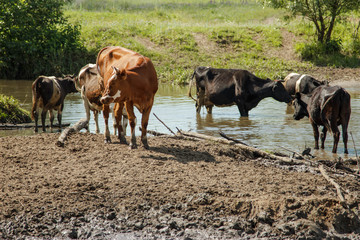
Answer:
(35, 39)
(323, 13)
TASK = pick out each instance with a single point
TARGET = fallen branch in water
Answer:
(164, 124)
(231, 139)
(82, 123)
(249, 151)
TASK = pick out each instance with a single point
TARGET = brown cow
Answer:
(326, 106)
(130, 79)
(91, 86)
(49, 94)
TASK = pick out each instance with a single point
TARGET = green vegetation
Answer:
(11, 112)
(179, 36)
(37, 40)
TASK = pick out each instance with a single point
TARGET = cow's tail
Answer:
(190, 85)
(327, 105)
(35, 95)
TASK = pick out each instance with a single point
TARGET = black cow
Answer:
(301, 83)
(226, 87)
(327, 106)
(49, 94)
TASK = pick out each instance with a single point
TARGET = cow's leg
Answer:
(118, 112)
(87, 111)
(316, 135)
(59, 115)
(242, 110)
(132, 121)
(198, 106)
(209, 109)
(125, 120)
(144, 124)
(106, 111)
(96, 119)
(43, 117)
(344, 127)
(345, 137)
(51, 117)
(323, 137)
(36, 118)
(336, 140)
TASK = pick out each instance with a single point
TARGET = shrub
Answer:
(11, 112)
(37, 40)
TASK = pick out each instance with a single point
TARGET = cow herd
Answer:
(127, 79)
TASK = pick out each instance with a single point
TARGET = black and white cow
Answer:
(327, 106)
(301, 83)
(49, 93)
(226, 87)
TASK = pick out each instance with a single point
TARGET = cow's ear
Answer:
(115, 69)
(122, 73)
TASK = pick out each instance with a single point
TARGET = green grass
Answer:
(234, 35)
(11, 112)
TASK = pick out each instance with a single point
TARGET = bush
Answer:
(11, 112)
(37, 40)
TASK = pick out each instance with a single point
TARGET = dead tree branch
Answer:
(329, 179)
(231, 139)
(164, 124)
(82, 123)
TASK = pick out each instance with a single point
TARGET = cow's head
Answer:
(112, 85)
(279, 92)
(300, 106)
(86, 74)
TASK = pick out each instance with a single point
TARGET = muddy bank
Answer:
(179, 189)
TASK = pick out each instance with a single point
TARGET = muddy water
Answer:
(270, 125)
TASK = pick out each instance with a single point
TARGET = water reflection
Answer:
(268, 126)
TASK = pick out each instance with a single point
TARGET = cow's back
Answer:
(121, 57)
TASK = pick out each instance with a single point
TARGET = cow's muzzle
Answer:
(106, 99)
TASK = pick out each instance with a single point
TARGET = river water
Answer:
(269, 126)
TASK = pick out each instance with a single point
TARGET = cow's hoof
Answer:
(146, 146)
(346, 152)
(107, 140)
(123, 141)
(133, 146)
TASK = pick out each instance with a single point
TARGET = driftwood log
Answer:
(251, 151)
(82, 123)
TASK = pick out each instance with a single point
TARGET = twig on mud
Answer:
(329, 179)
(164, 124)
(231, 139)
(357, 158)
(292, 151)
(300, 155)
(155, 133)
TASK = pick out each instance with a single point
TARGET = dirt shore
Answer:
(178, 189)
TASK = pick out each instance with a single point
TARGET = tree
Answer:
(323, 13)
(35, 39)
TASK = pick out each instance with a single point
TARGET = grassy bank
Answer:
(180, 35)
(11, 112)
